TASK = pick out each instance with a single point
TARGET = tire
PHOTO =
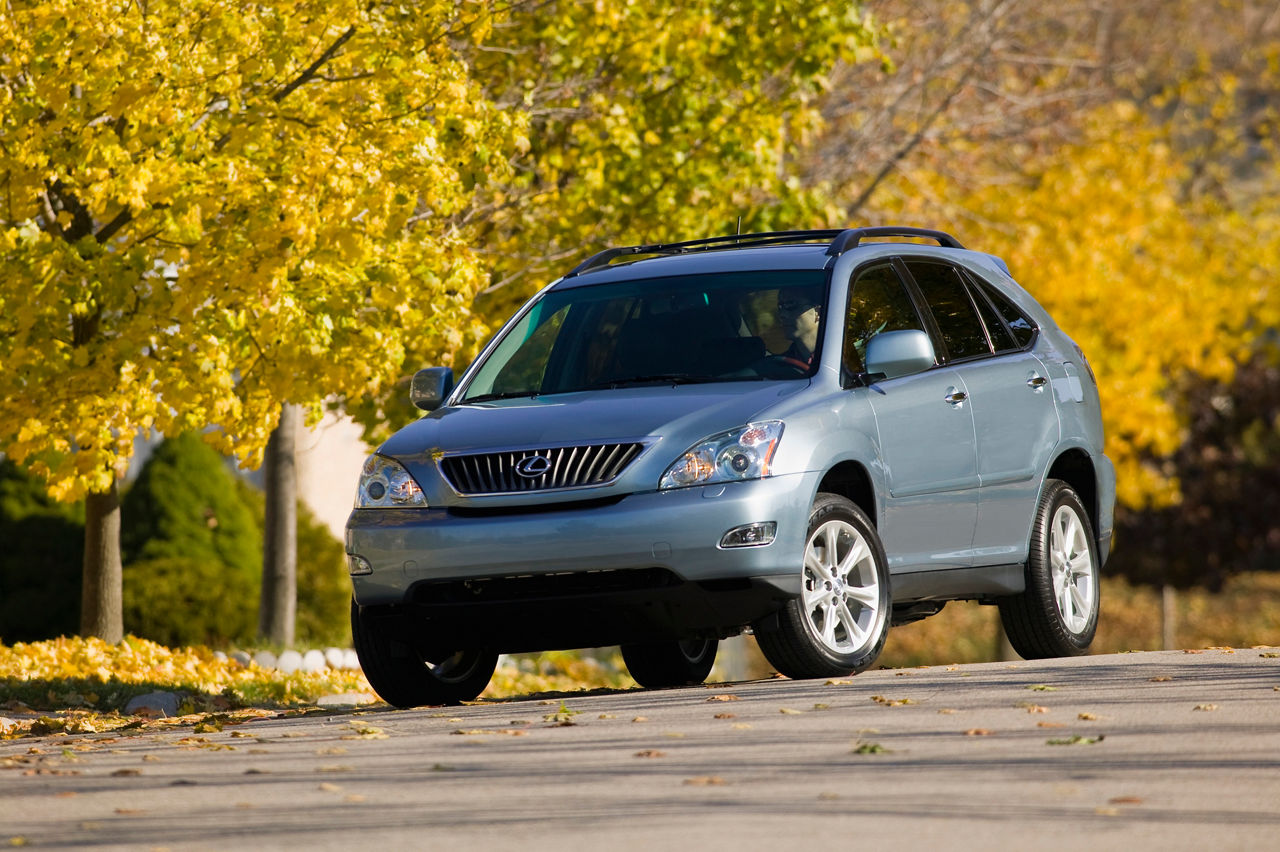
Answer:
(1057, 614)
(401, 676)
(838, 625)
(672, 663)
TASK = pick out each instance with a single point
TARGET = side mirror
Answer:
(430, 387)
(899, 353)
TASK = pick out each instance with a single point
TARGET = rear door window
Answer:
(953, 309)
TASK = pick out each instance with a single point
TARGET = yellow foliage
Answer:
(209, 209)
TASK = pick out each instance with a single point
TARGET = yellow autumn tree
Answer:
(646, 122)
(653, 121)
(211, 209)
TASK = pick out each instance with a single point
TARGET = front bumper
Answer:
(648, 560)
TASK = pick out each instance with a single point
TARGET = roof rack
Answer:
(839, 241)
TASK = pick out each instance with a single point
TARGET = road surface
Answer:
(1166, 750)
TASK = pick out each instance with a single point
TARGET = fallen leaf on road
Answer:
(839, 683)
(1125, 800)
(978, 732)
(892, 702)
(1191, 651)
(507, 732)
(724, 698)
(1050, 725)
(1205, 707)
(640, 719)
(870, 748)
(650, 752)
(126, 773)
(1087, 717)
(329, 788)
(129, 811)
(787, 711)
(741, 726)
(726, 716)
(1270, 655)
(705, 781)
(1041, 687)
(1077, 740)
(1031, 708)
(1160, 679)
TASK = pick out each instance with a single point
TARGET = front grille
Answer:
(543, 468)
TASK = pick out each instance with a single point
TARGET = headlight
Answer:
(742, 453)
(385, 484)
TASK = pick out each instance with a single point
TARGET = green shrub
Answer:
(192, 543)
(177, 601)
(185, 503)
(40, 561)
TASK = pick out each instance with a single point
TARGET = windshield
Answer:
(741, 326)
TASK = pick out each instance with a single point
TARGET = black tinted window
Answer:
(953, 310)
(877, 302)
(1023, 329)
(1001, 339)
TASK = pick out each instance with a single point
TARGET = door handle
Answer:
(956, 397)
(1037, 382)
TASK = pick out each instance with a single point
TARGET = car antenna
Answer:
(739, 231)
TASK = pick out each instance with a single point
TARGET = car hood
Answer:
(668, 419)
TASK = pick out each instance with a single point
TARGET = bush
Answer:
(41, 561)
(192, 542)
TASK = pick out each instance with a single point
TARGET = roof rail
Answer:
(744, 240)
(839, 241)
(854, 236)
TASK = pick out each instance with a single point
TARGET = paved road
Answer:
(1163, 750)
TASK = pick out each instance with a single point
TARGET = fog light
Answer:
(358, 565)
(750, 535)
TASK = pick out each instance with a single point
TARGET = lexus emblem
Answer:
(533, 466)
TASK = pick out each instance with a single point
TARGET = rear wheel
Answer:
(838, 625)
(670, 663)
(404, 678)
(1057, 615)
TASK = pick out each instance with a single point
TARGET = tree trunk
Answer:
(102, 597)
(278, 610)
(1168, 618)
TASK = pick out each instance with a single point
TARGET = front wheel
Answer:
(670, 663)
(838, 625)
(404, 678)
(1057, 614)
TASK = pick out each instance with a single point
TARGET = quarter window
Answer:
(1023, 330)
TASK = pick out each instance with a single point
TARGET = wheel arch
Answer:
(1076, 468)
(850, 480)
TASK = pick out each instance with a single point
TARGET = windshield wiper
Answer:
(488, 397)
(654, 378)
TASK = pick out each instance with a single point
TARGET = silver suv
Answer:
(808, 435)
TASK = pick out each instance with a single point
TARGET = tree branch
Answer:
(310, 72)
